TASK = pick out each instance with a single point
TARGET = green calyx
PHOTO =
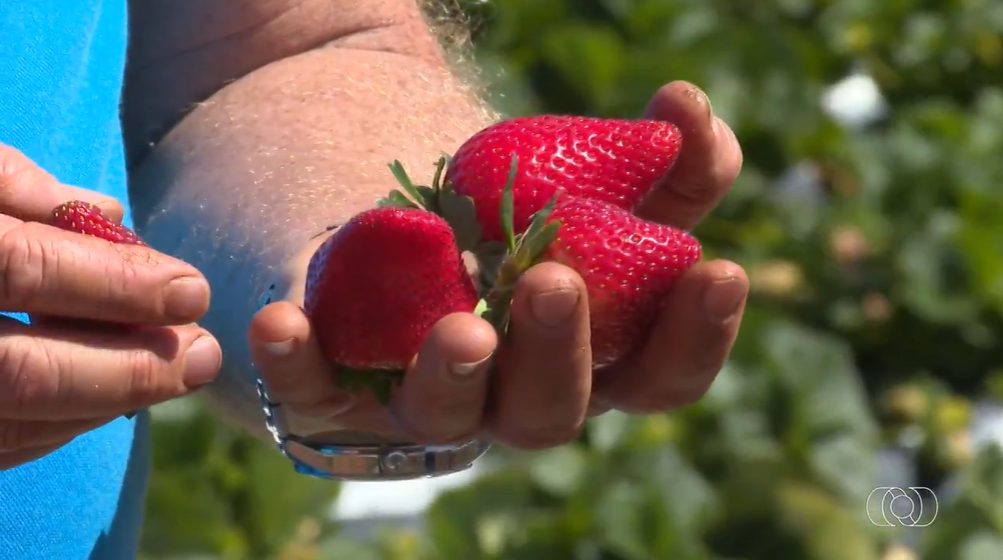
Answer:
(502, 267)
(382, 382)
(439, 198)
(501, 264)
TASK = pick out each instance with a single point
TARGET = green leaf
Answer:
(440, 167)
(623, 512)
(507, 216)
(475, 520)
(983, 546)
(397, 168)
(560, 470)
(832, 532)
(537, 237)
(460, 214)
(397, 199)
(536, 245)
(540, 218)
(429, 197)
(828, 417)
(343, 546)
(983, 484)
(973, 511)
(608, 431)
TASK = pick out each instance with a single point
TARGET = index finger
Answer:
(710, 161)
(47, 271)
(29, 193)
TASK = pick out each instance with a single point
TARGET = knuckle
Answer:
(15, 436)
(689, 396)
(13, 164)
(424, 433)
(148, 381)
(20, 457)
(20, 179)
(537, 438)
(25, 260)
(28, 376)
(11, 461)
(451, 438)
(654, 402)
(440, 418)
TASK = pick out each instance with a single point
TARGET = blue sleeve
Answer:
(63, 67)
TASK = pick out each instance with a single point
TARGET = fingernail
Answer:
(202, 362)
(280, 349)
(108, 205)
(185, 298)
(468, 369)
(701, 97)
(723, 298)
(554, 308)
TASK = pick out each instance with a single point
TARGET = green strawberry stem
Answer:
(523, 251)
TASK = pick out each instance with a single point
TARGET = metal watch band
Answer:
(365, 462)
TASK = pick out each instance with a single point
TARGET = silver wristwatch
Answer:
(373, 462)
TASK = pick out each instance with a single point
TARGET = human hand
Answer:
(73, 370)
(544, 386)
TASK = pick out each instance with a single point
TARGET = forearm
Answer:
(180, 53)
(269, 161)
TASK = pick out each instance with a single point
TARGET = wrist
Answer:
(264, 280)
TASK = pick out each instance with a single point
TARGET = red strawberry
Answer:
(629, 266)
(614, 161)
(86, 218)
(380, 283)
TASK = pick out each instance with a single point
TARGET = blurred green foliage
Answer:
(876, 316)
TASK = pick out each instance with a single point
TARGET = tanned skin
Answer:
(254, 125)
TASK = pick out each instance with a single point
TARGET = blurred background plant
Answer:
(870, 217)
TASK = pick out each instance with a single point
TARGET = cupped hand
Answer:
(535, 390)
(72, 371)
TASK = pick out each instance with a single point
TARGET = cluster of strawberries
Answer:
(520, 192)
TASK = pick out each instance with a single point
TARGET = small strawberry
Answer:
(86, 218)
(377, 287)
(614, 161)
(629, 266)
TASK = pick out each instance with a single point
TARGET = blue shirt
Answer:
(59, 104)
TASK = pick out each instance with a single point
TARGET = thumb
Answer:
(28, 193)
